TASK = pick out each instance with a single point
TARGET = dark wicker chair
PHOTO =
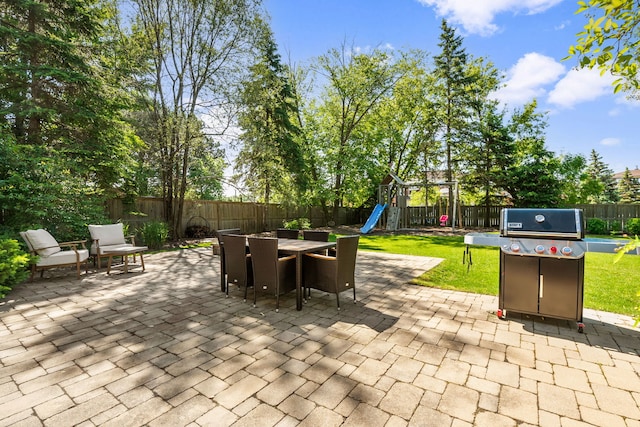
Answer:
(237, 262)
(333, 274)
(315, 235)
(318, 236)
(286, 233)
(271, 274)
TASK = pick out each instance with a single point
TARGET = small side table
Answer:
(124, 252)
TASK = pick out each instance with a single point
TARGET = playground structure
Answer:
(394, 195)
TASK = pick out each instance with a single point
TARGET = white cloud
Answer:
(609, 142)
(476, 16)
(527, 79)
(580, 85)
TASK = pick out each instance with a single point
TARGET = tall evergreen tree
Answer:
(491, 158)
(599, 185)
(270, 160)
(55, 92)
(452, 98)
(534, 176)
(629, 188)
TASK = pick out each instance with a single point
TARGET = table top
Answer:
(300, 246)
(124, 250)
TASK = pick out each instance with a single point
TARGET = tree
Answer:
(492, 157)
(533, 178)
(356, 85)
(629, 188)
(55, 93)
(598, 184)
(572, 174)
(452, 98)
(65, 142)
(609, 41)
(406, 122)
(270, 160)
(490, 147)
(198, 49)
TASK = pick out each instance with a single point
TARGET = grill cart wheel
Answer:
(502, 314)
(581, 327)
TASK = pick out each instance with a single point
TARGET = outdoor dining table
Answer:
(299, 248)
(295, 247)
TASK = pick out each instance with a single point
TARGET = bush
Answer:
(616, 227)
(596, 226)
(297, 224)
(633, 226)
(13, 263)
(154, 234)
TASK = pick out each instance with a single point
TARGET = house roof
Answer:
(635, 173)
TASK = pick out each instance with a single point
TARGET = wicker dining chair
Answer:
(271, 274)
(315, 235)
(237, 262)
(333, 274)
(287, 233)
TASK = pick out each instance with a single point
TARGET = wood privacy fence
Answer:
(216, 215)
(256, 217)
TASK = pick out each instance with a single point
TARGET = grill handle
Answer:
(541, 286)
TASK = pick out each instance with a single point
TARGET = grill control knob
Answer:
(515, 247)
(567, 251)
(539, 249)
(553, 250)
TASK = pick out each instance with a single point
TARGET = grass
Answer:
(607, 286)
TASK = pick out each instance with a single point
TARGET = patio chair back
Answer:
(333, 274)
(271, 274)
(315, 235)
(287, 233)
(237, 262)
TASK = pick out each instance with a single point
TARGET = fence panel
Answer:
(254, 217)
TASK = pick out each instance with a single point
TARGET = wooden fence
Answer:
(255, 217)
(216, 215)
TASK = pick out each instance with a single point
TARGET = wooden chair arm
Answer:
(287, 258)
(321, 257)
(73, 244)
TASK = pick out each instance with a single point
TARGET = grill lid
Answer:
(542, 223)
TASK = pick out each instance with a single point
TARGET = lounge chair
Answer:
(50, 253)
(108, 237)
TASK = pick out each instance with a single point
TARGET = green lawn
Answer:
(607, 286)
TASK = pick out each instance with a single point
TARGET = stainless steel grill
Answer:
(542, 261)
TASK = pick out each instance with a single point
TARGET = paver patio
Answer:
(164, 347)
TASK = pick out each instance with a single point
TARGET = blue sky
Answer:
(526, 39)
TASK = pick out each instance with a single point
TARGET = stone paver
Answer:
(165, 347)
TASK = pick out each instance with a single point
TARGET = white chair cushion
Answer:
(107, 235)
(63, 257)
(42, 242)
(108, 248)
(23, 234)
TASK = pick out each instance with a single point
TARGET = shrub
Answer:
(297, 224)
(596, 226)
(13, 263)
(615, 227)
(154, 234)
(633, 226)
